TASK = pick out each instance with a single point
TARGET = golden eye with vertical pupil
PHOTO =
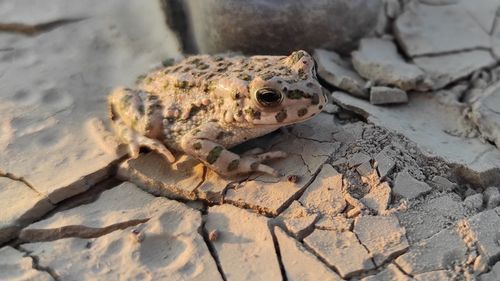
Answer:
(269, 97)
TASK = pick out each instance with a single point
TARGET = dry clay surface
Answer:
(58, 77)
(398, 180)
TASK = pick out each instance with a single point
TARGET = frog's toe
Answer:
(278, 154)
(253, 151)
(166, 153)
(266, 169)
(250, 164)
(133, 149)
(155, 145)
(135, 145)
(260, 155)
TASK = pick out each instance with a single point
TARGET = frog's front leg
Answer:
(135, 141)
(223, 161)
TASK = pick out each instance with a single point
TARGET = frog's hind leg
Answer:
(225, 162)
(253, 151)
(127, 114)
(258, 153)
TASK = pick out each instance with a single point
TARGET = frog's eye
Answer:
(269, 97)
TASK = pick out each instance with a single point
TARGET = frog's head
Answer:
(286, 92)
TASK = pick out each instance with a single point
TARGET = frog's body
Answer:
(206, 104)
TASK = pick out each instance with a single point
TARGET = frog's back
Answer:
(198, 74)
(191, 76)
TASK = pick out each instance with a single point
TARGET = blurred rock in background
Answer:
(271, 26)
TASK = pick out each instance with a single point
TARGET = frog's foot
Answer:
(153, 144)
(257, 158)
(253, 151)
(227, 163)
(250, 164)
(260, 155)
(135, 141)
(271, 155)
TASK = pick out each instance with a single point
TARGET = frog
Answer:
(206, 104)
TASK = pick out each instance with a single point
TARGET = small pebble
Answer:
(386, 95)
(480, 265)
(491, 197)
(474, 201)
(469, 192)
(168, 62)
(331, 108)
(443, 184)
(213, 235)
(293, 178)
(138, 235)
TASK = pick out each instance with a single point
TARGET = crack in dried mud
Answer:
(77, 231)
(310, 139)
(213, 252)
(22, 180)
(299, 193)
(438, 54)
(278, 251)
(37, 266)
(464, 231)
(33, 30)
(402, 271)
(320, 258)
(381, 267)
(367, 250)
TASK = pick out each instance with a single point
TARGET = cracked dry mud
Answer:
(370, 191)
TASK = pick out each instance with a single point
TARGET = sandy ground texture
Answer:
(398, 179)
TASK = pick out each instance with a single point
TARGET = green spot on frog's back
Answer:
(203, 66)
(194, 60)
(296, 56)
(268, 75)
(197, 146)
(245, 76)
(167, 62)
(181, 84)
(235, 95)
(194, 110)
(140, 78)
